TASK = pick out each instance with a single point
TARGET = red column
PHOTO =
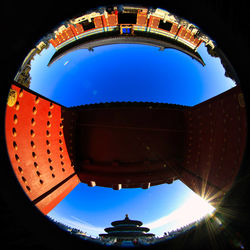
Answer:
(104, 21)
(73, 29)
(179, 31)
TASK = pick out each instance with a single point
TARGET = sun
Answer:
(195, 208)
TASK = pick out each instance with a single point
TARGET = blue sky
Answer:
(162, 208)
(128, 73)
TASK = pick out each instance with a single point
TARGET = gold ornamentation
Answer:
(12, 97)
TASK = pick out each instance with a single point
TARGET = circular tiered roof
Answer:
(126, 222)
(126, 229)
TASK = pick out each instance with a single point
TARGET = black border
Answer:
(24, 23)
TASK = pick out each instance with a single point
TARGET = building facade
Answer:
(52, 148)
(155, 21)
(127, 231)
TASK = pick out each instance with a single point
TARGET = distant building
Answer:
(127, 231)
(139, 19)
(23, 75)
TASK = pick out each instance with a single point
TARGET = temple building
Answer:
(127, 230)
(129, 25)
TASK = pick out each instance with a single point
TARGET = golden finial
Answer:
(12, 98)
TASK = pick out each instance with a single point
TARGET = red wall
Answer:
(37, 149)
(215, 143)
(133, 146)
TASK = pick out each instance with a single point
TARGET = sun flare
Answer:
(194, 209)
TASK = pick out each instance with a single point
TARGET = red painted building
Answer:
(120, 145)
(72, 31)
(37, 148)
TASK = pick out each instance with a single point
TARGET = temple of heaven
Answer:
(127, 230)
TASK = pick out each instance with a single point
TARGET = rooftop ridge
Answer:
(129, 104)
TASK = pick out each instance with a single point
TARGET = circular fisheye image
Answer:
(126, 126)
